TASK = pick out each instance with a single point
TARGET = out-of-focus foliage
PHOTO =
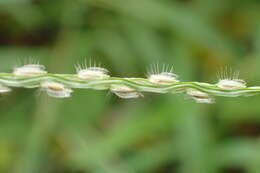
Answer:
(95, 132)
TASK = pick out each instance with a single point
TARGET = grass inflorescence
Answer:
(158, 80)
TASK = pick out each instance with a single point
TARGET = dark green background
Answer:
(96, 132)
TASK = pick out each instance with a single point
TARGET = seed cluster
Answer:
(162, 79)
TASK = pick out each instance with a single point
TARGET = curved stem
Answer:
(139, 84)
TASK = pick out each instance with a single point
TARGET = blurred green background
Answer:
(96, 132)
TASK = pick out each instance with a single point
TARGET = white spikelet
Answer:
(91, 72)
(199, 96)
(165, 76)
(55, 89)
(4, 89)
(229, 80)
(29, 70)
(254, 87)
(233, 84)
(125, 92)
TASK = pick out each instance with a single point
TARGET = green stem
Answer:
(140, 84)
